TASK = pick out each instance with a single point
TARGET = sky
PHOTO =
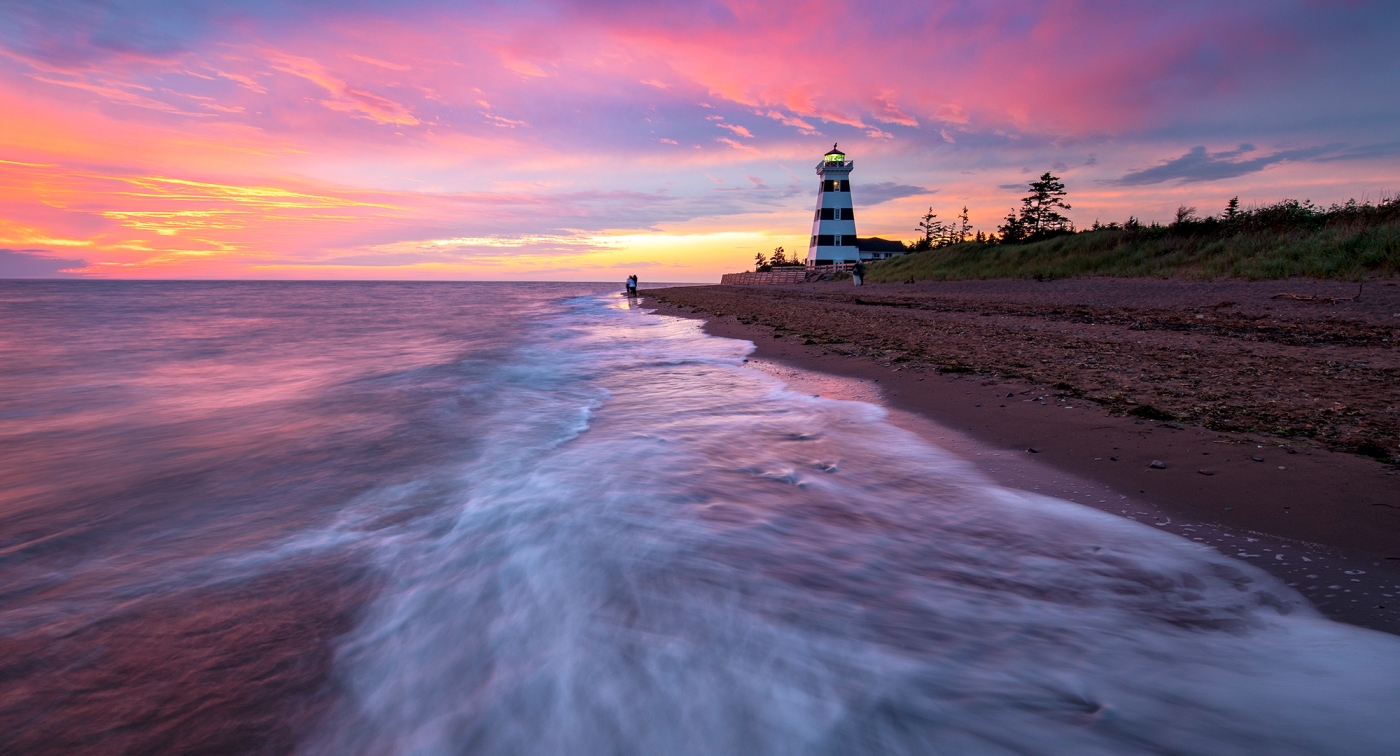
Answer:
(585, 141)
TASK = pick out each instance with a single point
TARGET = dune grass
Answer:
(1349, 251)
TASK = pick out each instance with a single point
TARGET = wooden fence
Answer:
(782, 276)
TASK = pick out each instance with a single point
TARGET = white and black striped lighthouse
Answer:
(834, 227)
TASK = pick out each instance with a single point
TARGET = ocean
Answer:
(490, 518)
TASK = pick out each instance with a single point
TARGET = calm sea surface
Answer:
(396, 518)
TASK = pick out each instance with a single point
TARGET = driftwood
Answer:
(1320, 299)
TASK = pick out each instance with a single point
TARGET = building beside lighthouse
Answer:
(834, 240)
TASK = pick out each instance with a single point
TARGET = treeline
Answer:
(779, 259)
(1039, 218)
(1036, 240)
(1351, 241)
(1281, 217)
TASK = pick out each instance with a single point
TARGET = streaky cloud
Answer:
(884, 191)
(1364, 152)
(33, 263)
(1199, 165)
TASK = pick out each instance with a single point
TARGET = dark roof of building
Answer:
(835, 151)
(876, 244)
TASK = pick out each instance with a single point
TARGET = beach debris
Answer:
(1033, 450)
(1112, 459)
(1320, 299)
(1257, 458)
(979, 404)
(1010, 395)
(1209, 472)
(1158, 464)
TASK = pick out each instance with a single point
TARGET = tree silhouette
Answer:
(933, 231)
(1013, 230)
(1039, 211)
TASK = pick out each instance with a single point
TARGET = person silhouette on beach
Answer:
(632, 286)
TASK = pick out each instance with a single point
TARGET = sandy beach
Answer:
(1075, 388)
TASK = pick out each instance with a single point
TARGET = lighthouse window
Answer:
(832, 186)
(838, 241)
(814, 241)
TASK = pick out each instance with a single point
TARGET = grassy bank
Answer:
(1331, 250)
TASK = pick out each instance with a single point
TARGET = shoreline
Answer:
(1311, 517)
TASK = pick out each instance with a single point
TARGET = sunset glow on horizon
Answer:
(586, 141)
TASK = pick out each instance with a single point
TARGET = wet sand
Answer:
(1326, 521)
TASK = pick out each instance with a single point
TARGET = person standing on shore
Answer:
(858, 272)
(632, 286)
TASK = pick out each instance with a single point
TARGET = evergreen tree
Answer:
(963, 225)
(932, 228)
(779, 257)
(759, 261)
(1013, 230)
(1232, 208)
(1039, 211)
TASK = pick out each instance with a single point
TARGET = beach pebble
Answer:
(1033, 450)
(1158, 464)
(1206, 472)
(1257, 459)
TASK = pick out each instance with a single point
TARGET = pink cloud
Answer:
(740, 130)
(427, 108)
(343, 98)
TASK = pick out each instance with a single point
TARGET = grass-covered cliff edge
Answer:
(1289, 239)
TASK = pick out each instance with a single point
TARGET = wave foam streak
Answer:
(662, 552)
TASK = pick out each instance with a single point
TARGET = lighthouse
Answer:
(834, 226)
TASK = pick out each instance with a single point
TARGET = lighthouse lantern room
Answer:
(834, 226)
